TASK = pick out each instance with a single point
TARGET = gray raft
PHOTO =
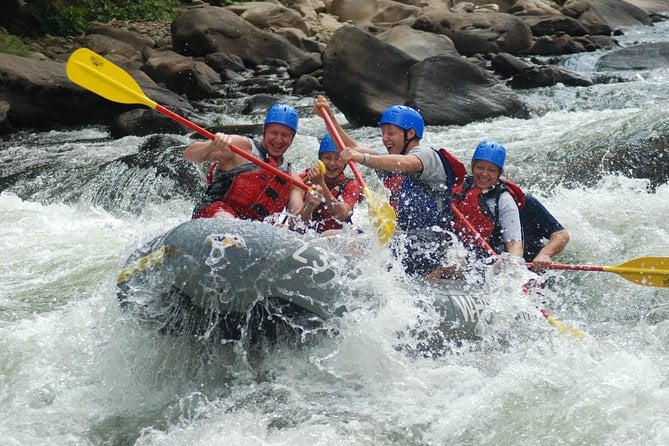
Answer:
(224, 278)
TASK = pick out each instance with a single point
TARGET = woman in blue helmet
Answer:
(340, 193)
(421, 180)
(239, 188)
(490, 204)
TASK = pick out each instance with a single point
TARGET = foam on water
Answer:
(75, 370)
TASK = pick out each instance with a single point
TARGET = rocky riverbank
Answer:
(457, 63)
(59, 48)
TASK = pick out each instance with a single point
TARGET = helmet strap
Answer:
(407, 141)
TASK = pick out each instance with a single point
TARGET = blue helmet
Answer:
(282, 114)
(327, 145)
(490, 151)
(404, 117)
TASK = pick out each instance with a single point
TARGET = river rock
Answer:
(373, 12)
(642, 56)
(548, 26)
(446, 89)
(199, 31)
(144, 121)
(606, 16)
(547, 75)
(5, 126)
(363, 75)
(267, 16)
(41, 95)
(418, 44)
(449, 90)
(182, 75)
(478, 32)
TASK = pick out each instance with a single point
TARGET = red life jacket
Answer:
(323, 216)
(250, 192)
(470, 201)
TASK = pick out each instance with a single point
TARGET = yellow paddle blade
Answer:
(382, 215)
(564, 328)
(95, 73)
(649, 271)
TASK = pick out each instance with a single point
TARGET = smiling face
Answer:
(393, 138)
(276, 139)
(334, 165)
(485, 174)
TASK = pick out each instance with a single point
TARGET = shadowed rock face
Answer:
(446, 89)
(217, 51)
(478, 32)
(363, 91)
(449, 90)
(39, 94)
(643, 56)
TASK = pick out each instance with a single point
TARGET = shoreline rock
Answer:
(262, 48)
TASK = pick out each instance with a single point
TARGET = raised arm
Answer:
(389, 163)
(217, 149)
(556, 243)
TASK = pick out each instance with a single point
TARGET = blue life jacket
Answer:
(419, 206)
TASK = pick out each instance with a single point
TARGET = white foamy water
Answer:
(75, 370)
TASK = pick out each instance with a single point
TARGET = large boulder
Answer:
(181, 74)
(656, 8)
(40, 94)
(141, 122)
(363, 75)
(606, 16)
(477, 32)
(200, 31)
(268, 16)
(372, 12)
(638, 57)
(449, 90)
(418, 44)
(551, 25)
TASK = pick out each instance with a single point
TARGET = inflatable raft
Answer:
(222, 279)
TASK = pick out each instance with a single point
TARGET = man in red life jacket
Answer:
(239, 188)
(340, 193)
(486, 201)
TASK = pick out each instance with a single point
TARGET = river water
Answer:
(74, 370)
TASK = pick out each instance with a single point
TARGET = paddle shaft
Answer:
(485, 245)
(610, 269)
(479, 239)
(646, 271)
(244, 154)
(341, 146)
(97, 74)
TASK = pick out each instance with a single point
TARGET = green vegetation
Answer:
(105, 10)
(10, 44)
(40, 17)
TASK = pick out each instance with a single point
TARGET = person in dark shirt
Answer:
(538, 225)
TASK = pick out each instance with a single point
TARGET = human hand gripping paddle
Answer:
(484, 244)
(95, 73)
(382, 213)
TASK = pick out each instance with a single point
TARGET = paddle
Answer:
(484, 244)
(95, 73)
(648, 271)
(382, 213)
